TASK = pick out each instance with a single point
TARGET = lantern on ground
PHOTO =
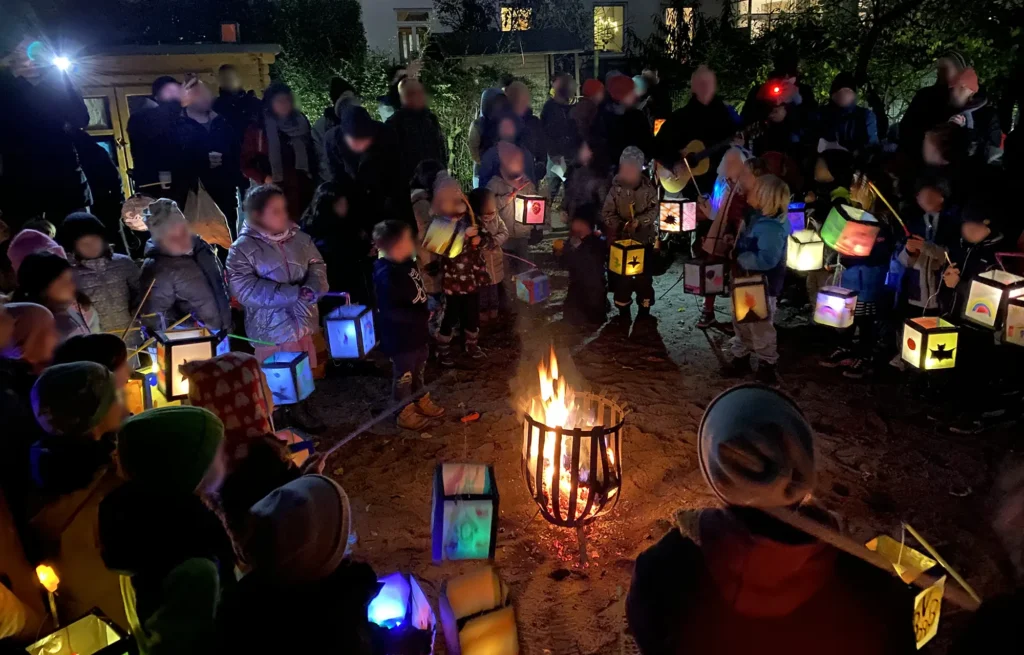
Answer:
(177, 347)
(476, 616)
(1013, 331)
(797, 216)
(93, 634)
(835, 306)
(701, 278)
(532, 286)
(626, 257)
(289, 377)
(531, 210)
(929, 343)
(806, 251)
(350, 333)
(445, 236)
(850, 231)
(401, 620)
(989, 297)
(464, 522)
(750, 299)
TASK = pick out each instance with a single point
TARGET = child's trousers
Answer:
(757, 338)
(407, 373)
(642, 285)
(461, 310)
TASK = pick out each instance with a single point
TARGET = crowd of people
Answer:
(351, 204)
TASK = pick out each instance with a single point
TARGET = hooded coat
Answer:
(560, 129)
(761, 248)
(187, 284)
(111, 281)
(266, 275)
(421, 138)
(480, 139)
(625, 203)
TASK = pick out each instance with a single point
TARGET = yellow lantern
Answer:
(835, 307)
(989, 297)
(176, 347)
(806, 251)
(750, 299)
(626, 257)
(445, 236)
(531, 210)
(1013, 331)
(929, 343)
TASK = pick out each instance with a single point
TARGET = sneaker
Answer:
(737, 367)
(840, 358)
(429, 408)
(411, 419)
(303, 416)
(766, 374)
(859, 369)
(707, 319)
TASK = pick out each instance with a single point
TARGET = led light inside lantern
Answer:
(750, 299)
(446, 237)
(532, 286)
(143, 392)
(401, 617)
(989, 296)
(350, 333)
(476, 616)
(289, 377)
(93, 634)
(806, 251)
(626, 257)
(465, 512)
(797, 216)
(850, 231)
(929, 343)
(1013, 331)
(531, 210)
(703, 279)
(835, 307)
(176, 347)
(677, 216)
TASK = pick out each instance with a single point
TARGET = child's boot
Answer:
(737, 367)
(444, 351)
(766, 374)
(473, 345)
(411, 419)
(429, 408)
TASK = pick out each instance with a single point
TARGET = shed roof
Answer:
(182, 49)
(494, 42)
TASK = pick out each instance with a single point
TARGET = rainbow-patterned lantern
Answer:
(1013, 329)
(835, 306)
(929, 343)
(464, 521)
(701, 278)
(750, 299)
(806, 251)
(531, 210)
(850, 231)
(626, 257)
(989, 297)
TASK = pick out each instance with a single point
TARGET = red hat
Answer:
(967, 78)
(592, 88)
(620, 86)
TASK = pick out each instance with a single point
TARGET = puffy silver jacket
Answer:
(265, 276)
(111, 282)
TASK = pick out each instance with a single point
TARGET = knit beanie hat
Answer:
(640, 84)
(968, 78)
(956, 57)
(161, 216)
(632, 155)
(78, 225)
(71, 399)
(170, 447)
(756, 449)
(356, 123)
(620, 86)
(299, 532)
(106, 350)
(843, 81)
(38, 271)
(592, 87)
(27, 242)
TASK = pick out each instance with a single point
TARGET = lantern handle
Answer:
(340, 294)
(138, 309)
(1000, 255)
(150, 341)
(469, 208)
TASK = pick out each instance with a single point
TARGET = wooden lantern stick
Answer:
(942, 562)
(878, 193)
(469, 208)
(135, 316)
(692, 178)
(150, 341)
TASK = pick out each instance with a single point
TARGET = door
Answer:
(106, 127)
(130, 99)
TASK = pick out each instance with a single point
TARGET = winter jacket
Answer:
(62, 464)
(249, 620)
(854, 128)
(376, 176)
(930, 107)
(112, 283)
(151, 133)
(196, 142)
(75, 320)
(922, 277)
(505, 193)
(583, 114)
(534, 143)
(319, 131)
(614, 129)
(421, 138)
(982, 122)
(466, 273)
(761, 248)
(494, 258)
(187, 284)
(266, 275)
(430, 273)
(586, 300)
(298, 186)
(711, 587)
(559, 129)
(241, 109)
(490, 166)
(711, 124)
(402, 301)
(625, 204)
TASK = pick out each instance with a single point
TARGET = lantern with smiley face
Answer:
(626, 257)
(850, 231)
(834, 307)
(930, 343)
(530, 210)
(989, 297)
(701, 278)
(806, 251)
(750, 299)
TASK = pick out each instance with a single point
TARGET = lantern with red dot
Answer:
(930, 343)
(531, 210)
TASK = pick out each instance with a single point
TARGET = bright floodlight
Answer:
(62, 63)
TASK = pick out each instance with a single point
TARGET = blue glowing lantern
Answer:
(350, 332)
(289, 376)
(533, 286)
(401, 617)
(797, 216)
(465, 512)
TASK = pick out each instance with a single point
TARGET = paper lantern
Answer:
(677, 216)
(476, 616)
(532, 286)
(465, 512)
(289, 376)
(929, 343)
(989, 297)
(626, 257)
(908, 563)
(703, 279)
(176, 347)
(300, 446)
(750, 299)
(93, 634)
(350, 333)
(446, 236)
(850, 231)
(797, 216)
(806, 251)
(835, 306)
(400, 617)
(1013, 331)
(530, 210)
(142, 391)
(658, 124)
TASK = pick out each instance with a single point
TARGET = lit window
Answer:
(609, 26)
(672, 25)
(413, 30)
(516, 19)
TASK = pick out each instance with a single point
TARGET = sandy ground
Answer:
(882, 460)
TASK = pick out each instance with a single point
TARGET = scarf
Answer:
(296, 128)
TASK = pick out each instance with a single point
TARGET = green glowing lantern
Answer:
(465, 512)
(850, 231)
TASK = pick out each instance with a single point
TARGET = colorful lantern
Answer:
(400, 617)
(989, 297)
(806, 251)
(176, 347)
(626, 257)
(532, 286)
(531, 210)
(658, 124)
(750, 299)
(289, 376)
(701, 278)
(142, 391)
(835, 306)
(929, 343)
(465, 512)
(350, 332)
(445, 236)
(850, 231)
(1014, 329)
(797, 216)
(677, 216)
(476, 616)
(93, 634)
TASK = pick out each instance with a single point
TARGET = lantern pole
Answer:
(135, 316)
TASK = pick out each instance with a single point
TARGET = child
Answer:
(277, 274)
(344, 243)
(508, 129)
(402, 322)
(585, 183)
(933, 226)
(428, 263)
(105, 349)
(26, 242)
(485, 206)
(761, 248)
(188, 274)
(41, 225)
(110, 280)
(46, 279)
(507, 185)
(586, 257)
(631, 212)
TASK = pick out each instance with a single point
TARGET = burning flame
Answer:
(47, 577)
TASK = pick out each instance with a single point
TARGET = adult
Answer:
(731, 580)
(209, 152)
(659, 97)
(151, 135)
(585, 111)
(841, 121)
(368, 154)
(784, 105)
(559, 127)
(493, 103)
(341, 93)
(417, 128)
(532, 138)
(278, 149)
(104, 181)
(241, 108)
(507, 129)
(619, 124)
(928, 107)
(972, 110)
(705, 118)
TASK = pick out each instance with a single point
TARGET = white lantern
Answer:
(806, 251)
(701, 278)
(989, 297)
(929, 343)
(289, 376)
(1013, 331)
(177, 347)
(350, 332)
(835, 307)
